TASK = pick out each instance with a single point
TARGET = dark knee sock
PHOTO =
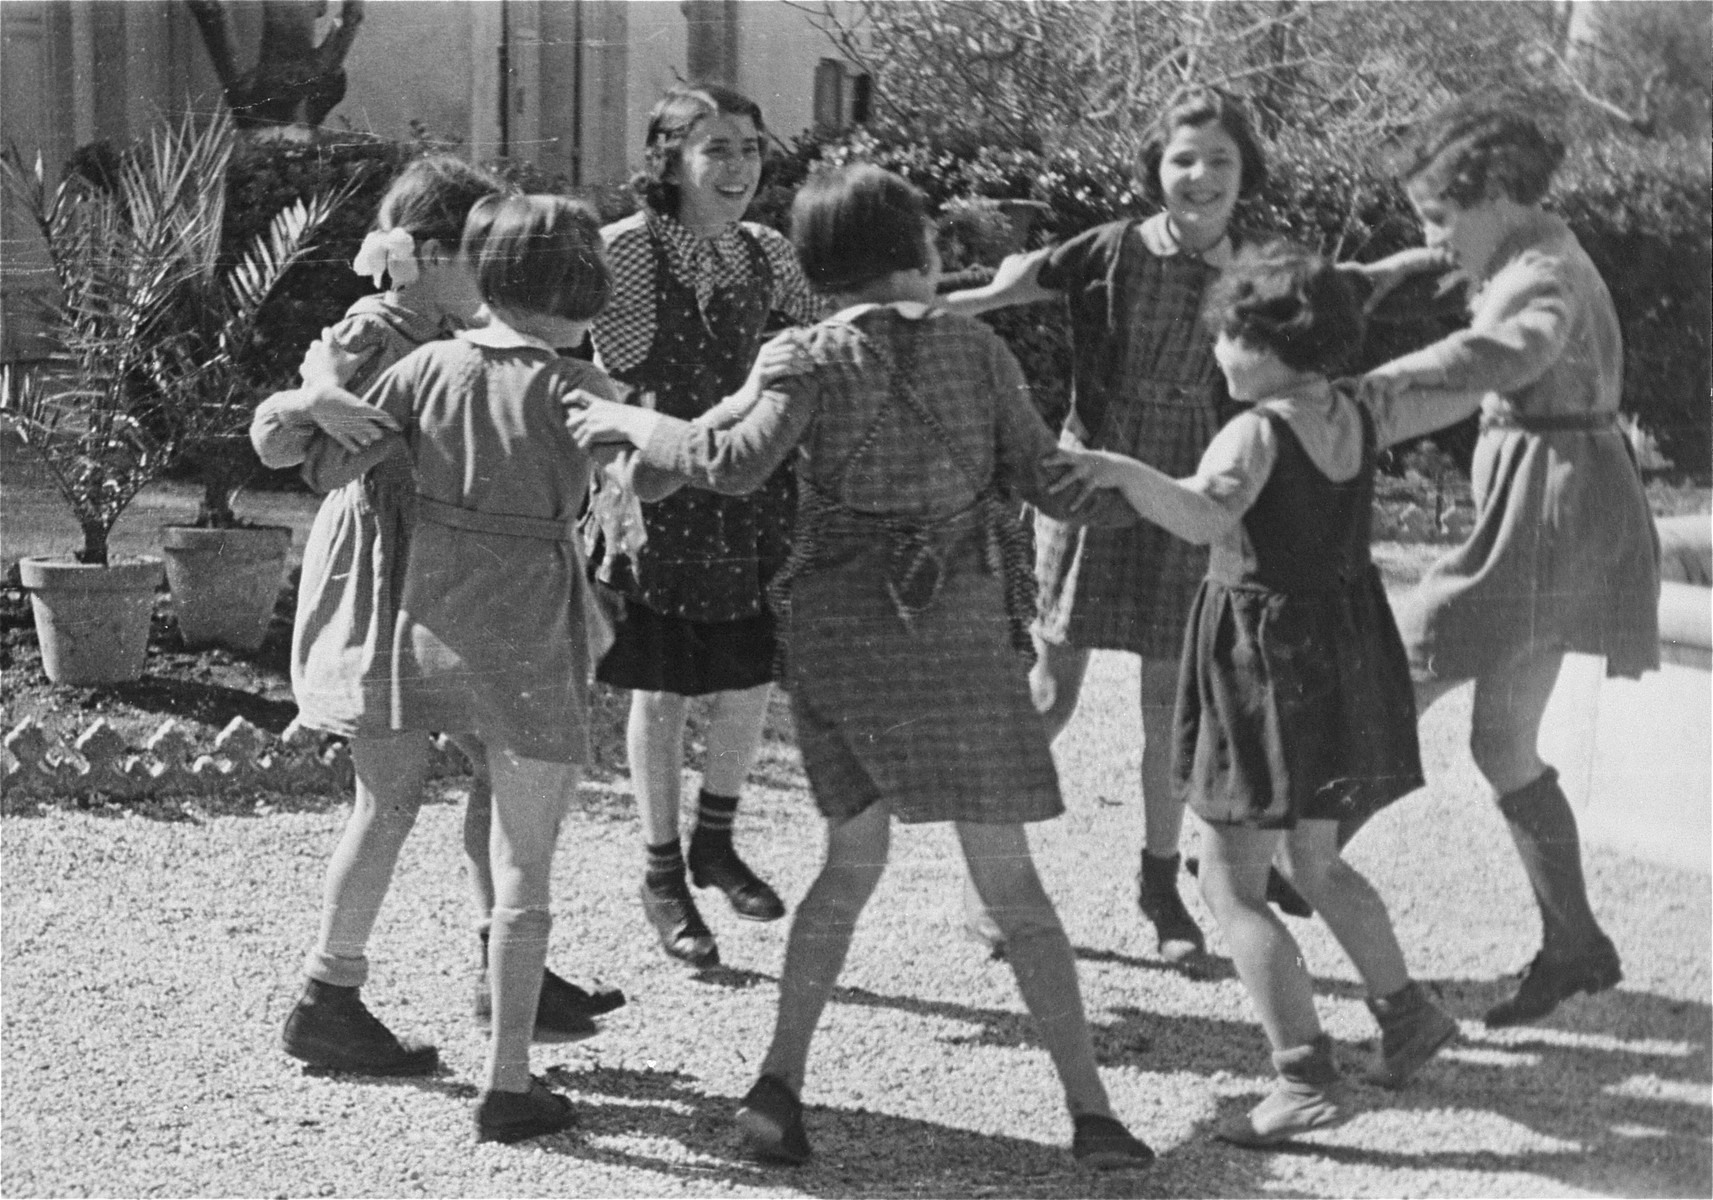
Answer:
(713, 833)
(1544, 829)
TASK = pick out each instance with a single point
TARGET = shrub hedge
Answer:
(1641, 209)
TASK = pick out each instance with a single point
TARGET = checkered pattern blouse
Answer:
(625, 330)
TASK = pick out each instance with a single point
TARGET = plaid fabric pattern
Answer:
(625, 331)
(1147, 385)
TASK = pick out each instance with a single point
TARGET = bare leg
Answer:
(734, 736)
(530, 801)
(821, 932)
(390, 773)
(478, 813)
(1234, 867)
(655, 739)
(1040, 956)
(1162, 814)
(1348, 904)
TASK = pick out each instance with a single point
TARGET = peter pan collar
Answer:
(1157, 235)
(497, 335)
(910, 310)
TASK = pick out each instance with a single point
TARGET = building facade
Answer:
(565, 83)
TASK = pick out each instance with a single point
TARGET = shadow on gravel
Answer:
(857, 1152)
(1616, 1089)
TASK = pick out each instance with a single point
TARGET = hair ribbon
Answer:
(388, 252)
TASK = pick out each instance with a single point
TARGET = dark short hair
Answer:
(431, 198)
(854, 224)
(677, 114)
(1478, 148)
(1197, 107)
(540, 254)
(1280, 297)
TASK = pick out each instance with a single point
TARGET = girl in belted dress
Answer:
(347, 599)
(1563, 556)
(496, 631)
(695, 288)
(1294, 704)
(903, 609)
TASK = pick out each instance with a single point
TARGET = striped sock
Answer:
(713, 832)
(665, 862)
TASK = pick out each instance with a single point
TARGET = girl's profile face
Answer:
(1201, 169)
(719, 168)
(1471, 235)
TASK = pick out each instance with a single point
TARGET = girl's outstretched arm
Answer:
(1200, 509)
(287, 422)
(1403, 413)
(1016, 282)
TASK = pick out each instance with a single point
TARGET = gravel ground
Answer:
(151, 957)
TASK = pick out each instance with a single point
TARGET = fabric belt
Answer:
(506, 524)
(1584, 422)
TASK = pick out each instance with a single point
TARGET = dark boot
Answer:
(1309, 1095)
(683, 934)
(514, 1116)
(1412, 1030)
(1177, 935)
(564, 1012)
(1575, 956)
(332, 1029)
(770, 1118)
(714, 862)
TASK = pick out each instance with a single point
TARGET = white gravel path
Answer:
(148, 963)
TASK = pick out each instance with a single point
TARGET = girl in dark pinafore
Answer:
(694, 289)
(1294, 704)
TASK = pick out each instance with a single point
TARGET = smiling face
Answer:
(1471, 235)
(719, 168)
(1201, 169)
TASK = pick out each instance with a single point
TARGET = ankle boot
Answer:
(565, 1011)
(667, 904)
(1412, 1030)
(714, 862)
(332, 1029)
(1575, 956)
(1177, 935)
(1309, 1095)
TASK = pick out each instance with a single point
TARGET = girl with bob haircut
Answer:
(903, 609)
(1144, 383)
(1294, 706)
(1563, 556)
(496, 632)
(347, 603)
(694, 288)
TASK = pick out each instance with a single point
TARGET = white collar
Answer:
(497, 335)
(910, 310)
(1157, 235)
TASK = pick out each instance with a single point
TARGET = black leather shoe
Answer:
(331, 1028)
(1104, 1144)
(1547, 984)
(515, 1116)
(1177, 936)
(771, 1120)
(750, 896)
(672, 912)
(565, 1012)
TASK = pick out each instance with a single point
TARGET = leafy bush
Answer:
(1641, 209)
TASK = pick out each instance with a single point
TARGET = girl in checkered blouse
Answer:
(1294, 706)
(694, 290)
(911, 431)
(341, 647)
(1145, 384)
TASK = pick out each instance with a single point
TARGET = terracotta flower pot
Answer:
(225, 582)
(92, 622)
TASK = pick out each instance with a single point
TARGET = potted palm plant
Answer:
(136, 258)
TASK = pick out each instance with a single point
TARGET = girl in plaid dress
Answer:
(694, 289)
(1144, 384)
(1294, 703)
(902, 610)
(341, 653)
